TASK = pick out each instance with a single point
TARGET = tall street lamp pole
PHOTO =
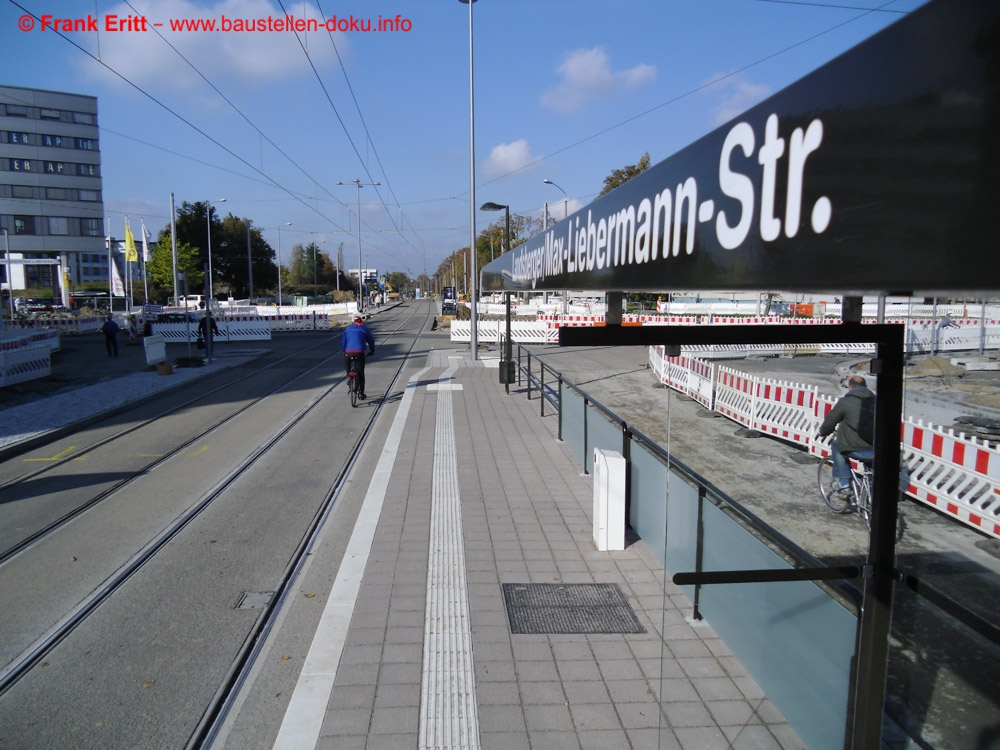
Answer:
(10, 278)
(565, 197)
(208, 228)
(507, 364)
(249, 264)
(361, 283)
(565, 216)
(474, 337)
(286, 224)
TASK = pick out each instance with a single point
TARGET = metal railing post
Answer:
(560, 404)
(541, 386)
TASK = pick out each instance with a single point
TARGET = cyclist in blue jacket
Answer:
(353, 341)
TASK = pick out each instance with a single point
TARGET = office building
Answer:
(51, 203)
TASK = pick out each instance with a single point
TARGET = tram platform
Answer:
(474, 610)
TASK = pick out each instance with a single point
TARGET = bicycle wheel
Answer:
(863, 491)
(352, 386)
(837, 501)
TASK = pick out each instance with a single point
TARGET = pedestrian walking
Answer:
(110, 330)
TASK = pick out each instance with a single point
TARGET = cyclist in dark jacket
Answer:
(353, 341)
(845, 417)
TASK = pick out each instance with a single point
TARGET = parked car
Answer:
(39, 304)
(178, 317)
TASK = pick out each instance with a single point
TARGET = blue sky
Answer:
(565, 90)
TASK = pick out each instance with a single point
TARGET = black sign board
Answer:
(877, 173)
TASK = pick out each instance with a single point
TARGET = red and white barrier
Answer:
(958, 475)
(785, 410)
(735, 393)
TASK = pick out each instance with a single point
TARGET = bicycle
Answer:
(857, 497)
(352, 381)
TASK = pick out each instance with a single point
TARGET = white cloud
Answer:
(587, 74)
(508, 157)
(735, 96)
(249, 58)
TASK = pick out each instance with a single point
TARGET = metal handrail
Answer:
(802, 561)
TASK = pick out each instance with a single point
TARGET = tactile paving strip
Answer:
(558, 608)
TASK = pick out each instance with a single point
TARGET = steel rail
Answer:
(15, 670)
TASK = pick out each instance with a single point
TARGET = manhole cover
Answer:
(254, 599)
(557, 608)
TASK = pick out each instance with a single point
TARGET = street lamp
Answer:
(474, 335)
(208, 227)
(507, 363)
(565, 197)
(565, 215)
(361, 284)
(286, 224)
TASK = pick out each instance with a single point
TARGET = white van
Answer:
(193, 301)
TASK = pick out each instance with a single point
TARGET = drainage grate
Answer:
(254, 599)
(558, 608)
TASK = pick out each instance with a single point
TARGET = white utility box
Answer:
(156, 349)
(609, 499)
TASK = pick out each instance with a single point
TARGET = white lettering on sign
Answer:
(664, 225)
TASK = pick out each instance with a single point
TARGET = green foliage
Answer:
(230, 267)
(621, 176)
(161, 266)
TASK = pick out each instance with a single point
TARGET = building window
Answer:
(52, 140)
(90, 195)
(17, 138)
(90, 227)
(53, 167)
(86, 170)
(55, 194)
(24, 225)
(16, 110)
(21, 191)
(83, 118)
(87, 144)
(20, 165)
(50, 114)
(58, 225)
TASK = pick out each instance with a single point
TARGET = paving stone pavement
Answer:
(525, 510)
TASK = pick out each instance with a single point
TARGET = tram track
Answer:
(211, 724)
(18, 668)
(51, 466)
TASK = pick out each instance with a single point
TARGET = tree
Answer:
(400, 282)
(623, 175)
(161, 267)
(492, 241)
(230, 269)
(229, 258)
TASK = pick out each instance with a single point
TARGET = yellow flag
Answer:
(130, 252)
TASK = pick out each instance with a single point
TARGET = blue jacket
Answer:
(354, 338)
